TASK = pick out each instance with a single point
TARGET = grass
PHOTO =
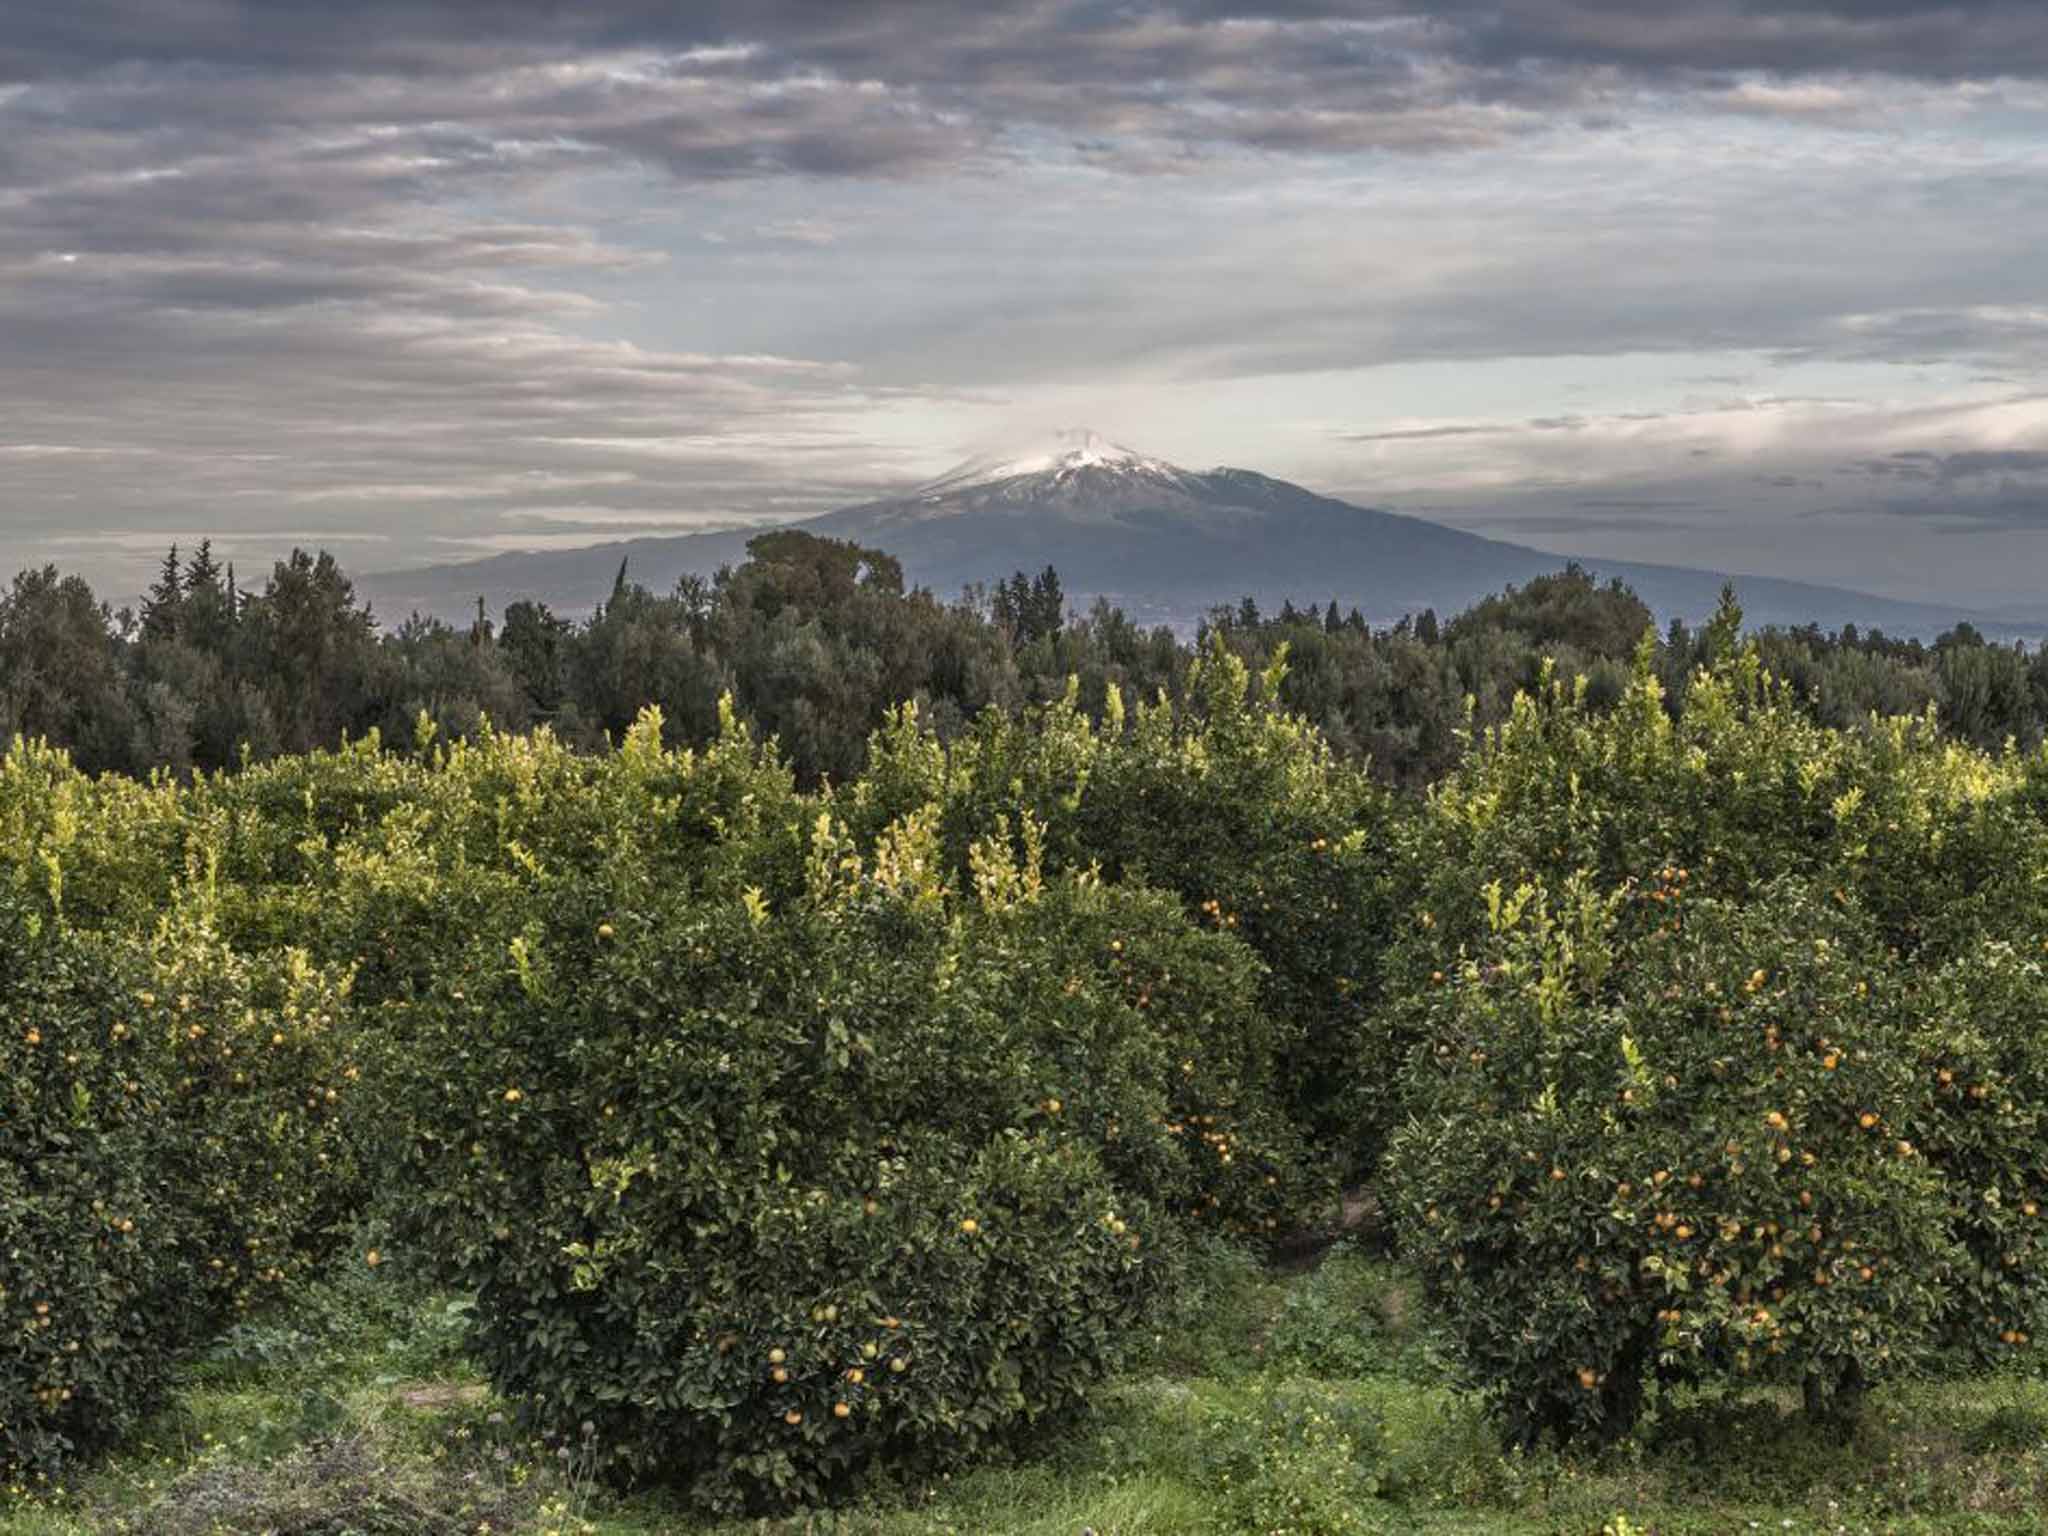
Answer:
(1314, 1404)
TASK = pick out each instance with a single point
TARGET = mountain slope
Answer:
(1164, 542)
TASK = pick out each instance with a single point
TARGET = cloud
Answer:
(2006, 463)
(1979, 490)
(417, 264)
(1526, 525)
(1420, 434)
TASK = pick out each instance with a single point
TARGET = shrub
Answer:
(719, 1169)
(1933, 840)
(1235, 806)
(1983, 1060)
(170, 1153)
(1658, 1146)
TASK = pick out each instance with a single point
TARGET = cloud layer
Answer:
(427, 279)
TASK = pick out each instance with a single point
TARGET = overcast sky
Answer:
(1760, 285)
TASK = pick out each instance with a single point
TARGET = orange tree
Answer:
(1235, 806)
(1649, 1148)
(170, 1145)
(767, 1190)
(1983, 1061)
(1937, 842)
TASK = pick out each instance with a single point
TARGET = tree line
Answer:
(815, 639)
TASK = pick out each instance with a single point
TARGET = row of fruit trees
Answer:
(780, 1135)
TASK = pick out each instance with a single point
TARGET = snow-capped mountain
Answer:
(1165, 542)
(1065, 458)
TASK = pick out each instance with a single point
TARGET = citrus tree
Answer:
(767, 1191)
(1659, 1139)
(172, 1153)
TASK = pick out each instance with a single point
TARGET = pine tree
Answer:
(1048, 604)
(202, 572)
(165, 601)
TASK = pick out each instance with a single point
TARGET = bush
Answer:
(170, 1153)
(1655, 1145)
(1983, 1060)
(1933, 840)
(1235, 806)
(768, 1194)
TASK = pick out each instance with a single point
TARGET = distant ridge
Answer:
(1165, 543)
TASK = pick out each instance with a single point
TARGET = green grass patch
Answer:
(1313, 1404)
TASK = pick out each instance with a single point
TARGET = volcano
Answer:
(1163, 542)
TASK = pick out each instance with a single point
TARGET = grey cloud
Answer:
(277, 253)
(1941, 39)
(2008, 508)
(1969, 491)
(1974, 491)
(724, 88)
(1954, 469)
(1514, 525)
(1475, 429)
(1418, 434)
(1982, 463)
(1927, 39)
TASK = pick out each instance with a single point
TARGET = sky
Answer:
(1757, 285)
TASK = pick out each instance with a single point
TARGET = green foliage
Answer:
(1660, 1140)
(668, 1047)
(171, 1152)
(1938, 843)
(1352, 1317)
(719, 1165)
(1983, 1053)
(1303, 1459)
(1936, 840)
(1229, 802)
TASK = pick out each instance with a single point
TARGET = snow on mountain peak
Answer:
(1056, 456)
